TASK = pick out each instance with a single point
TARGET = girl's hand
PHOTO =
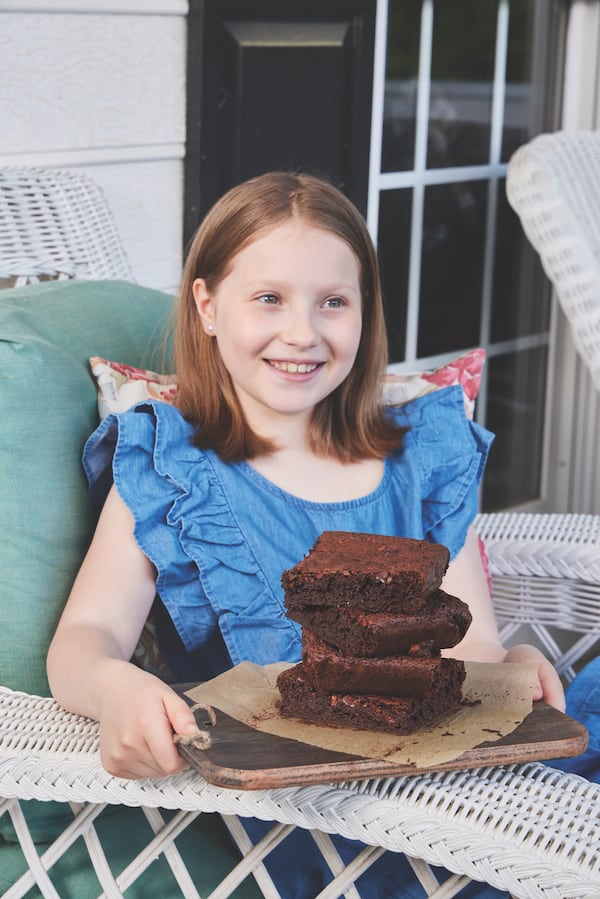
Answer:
(466, 578)
(549, 687)
(138, 716)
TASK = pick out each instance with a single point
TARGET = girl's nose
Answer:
(300, 329)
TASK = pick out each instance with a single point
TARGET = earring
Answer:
(211, 327)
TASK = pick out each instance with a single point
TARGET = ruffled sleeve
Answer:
(208, 577)
(447, 453)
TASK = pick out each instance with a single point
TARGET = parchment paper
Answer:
(501, 697)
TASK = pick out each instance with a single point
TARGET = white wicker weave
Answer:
(527, 829)
(553, 184)
(546, 568)
(545, 573)
(56, 223)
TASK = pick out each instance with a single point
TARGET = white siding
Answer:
(101, 87)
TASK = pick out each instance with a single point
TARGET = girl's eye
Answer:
(334, 302)
(270, 299)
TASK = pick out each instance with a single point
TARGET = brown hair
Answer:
(350, 424)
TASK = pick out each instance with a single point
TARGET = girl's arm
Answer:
(466, 579)
(88, 660)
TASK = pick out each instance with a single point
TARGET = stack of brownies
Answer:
(374, 622)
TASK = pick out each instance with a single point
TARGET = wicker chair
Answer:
(55, 223)
(525, 828)
(554, 187)
(548, 566)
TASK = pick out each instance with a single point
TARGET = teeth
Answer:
(294, 367)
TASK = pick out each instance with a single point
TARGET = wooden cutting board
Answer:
(247, 759)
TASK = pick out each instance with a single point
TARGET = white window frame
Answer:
(570, 474)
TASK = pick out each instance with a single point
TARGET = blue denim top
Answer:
(220, 534)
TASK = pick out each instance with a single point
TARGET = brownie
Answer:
(442, 622)
(366, 571)
(301, 700)
(401, 676)
(374, 621)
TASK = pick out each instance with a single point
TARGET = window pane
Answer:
(451, 267)
(474, 287)
(515, 413)
(533, 70)
(402, 67)
(393, 247)
(521, 292)
(462, 74)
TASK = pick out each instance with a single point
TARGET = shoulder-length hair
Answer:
(350, 424)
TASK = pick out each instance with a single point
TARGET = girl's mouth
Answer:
(295, 368)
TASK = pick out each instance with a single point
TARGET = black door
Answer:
(275, 84)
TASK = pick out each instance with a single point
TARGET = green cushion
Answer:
(48, 408)
(47, 411)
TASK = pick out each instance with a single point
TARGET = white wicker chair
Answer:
(553, 185)
(56, 223)
(546, 568)
(526, 828)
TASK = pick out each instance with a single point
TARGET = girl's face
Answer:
(287, 318)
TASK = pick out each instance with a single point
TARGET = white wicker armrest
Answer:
(542, 545)
(528, 829)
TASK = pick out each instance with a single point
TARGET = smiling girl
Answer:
(278, 433)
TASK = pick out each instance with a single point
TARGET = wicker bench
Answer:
(527, 829)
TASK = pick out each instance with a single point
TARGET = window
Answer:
(458, 86)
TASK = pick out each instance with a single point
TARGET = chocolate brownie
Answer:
(300, 699)
(442, 622)
(366, 571)
(390, 676)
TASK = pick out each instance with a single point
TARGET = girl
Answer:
(277, 435)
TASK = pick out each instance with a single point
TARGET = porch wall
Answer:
(100, 87)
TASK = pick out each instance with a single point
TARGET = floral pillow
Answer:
(465, 370)
(121, 386)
